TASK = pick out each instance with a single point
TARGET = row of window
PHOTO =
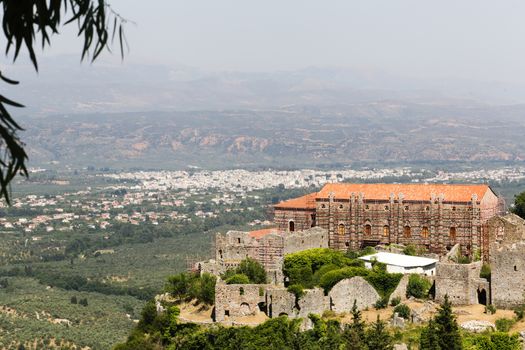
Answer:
(386, 207)
(407, 231)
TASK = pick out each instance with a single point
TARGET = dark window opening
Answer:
(227, 313)
(291, 226)
(220, 253)
(515, 268)
(239, 240)
(347, 244)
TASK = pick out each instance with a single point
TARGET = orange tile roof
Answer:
(304, 202)
(263, 232)
(411, 192)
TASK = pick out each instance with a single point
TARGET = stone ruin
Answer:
(461, 282)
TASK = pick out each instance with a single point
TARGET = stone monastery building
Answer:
(435, 216)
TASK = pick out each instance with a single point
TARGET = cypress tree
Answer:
(354, 334)
(447, 327)
(378, 337)
(429, 338)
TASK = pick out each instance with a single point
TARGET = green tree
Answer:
(22, 21)
(179, 285)
(429, 339)
(238, 278)
(447, 327)
(519, 205)
(418, 286)
(377, 337)
(354, 334)
(253, 269)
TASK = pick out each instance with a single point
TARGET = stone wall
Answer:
(462, 284)
(434, 224)
(312, 238)
(401, 289)
(269, 250)
(237, 300)
(343, 294)
(303, 219)
(508, 275)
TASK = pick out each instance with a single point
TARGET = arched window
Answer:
(386, 230)
(452, 233)
(341, 229)
(291, 226)
(424, 232)
(407, 232)
(368, 230)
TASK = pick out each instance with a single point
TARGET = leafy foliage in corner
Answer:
(519, 205)
(21, 22)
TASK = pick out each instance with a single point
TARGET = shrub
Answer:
(402, 310)
(238, 278)
(485, 272)
(297, 290)
(418, 286)
(395, 301)
(410, 250)
(490, 309)
(381, 303)
(253, 270)
(519, 311)
(504, 324)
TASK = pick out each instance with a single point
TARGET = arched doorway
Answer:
(482, 297)
(245, 309)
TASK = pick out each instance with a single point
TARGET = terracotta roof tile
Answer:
(411, 192)
(263, 232)
(304, 202)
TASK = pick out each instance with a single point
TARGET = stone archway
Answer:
(482, 296)
(245, 309)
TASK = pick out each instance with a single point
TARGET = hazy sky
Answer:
(470, 39)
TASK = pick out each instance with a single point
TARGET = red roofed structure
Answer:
(433, 216)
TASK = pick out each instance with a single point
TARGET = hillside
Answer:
(367, 133)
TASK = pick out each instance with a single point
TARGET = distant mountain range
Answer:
(63, 85)
(129, 115)
(294, 136)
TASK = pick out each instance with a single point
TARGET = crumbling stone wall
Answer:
(508, 274)
(502, 230)
(401, 289)
(234, 246)
(462, 284)
(343, 294)
(237, 300)
(312, 238)
(269, 250)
